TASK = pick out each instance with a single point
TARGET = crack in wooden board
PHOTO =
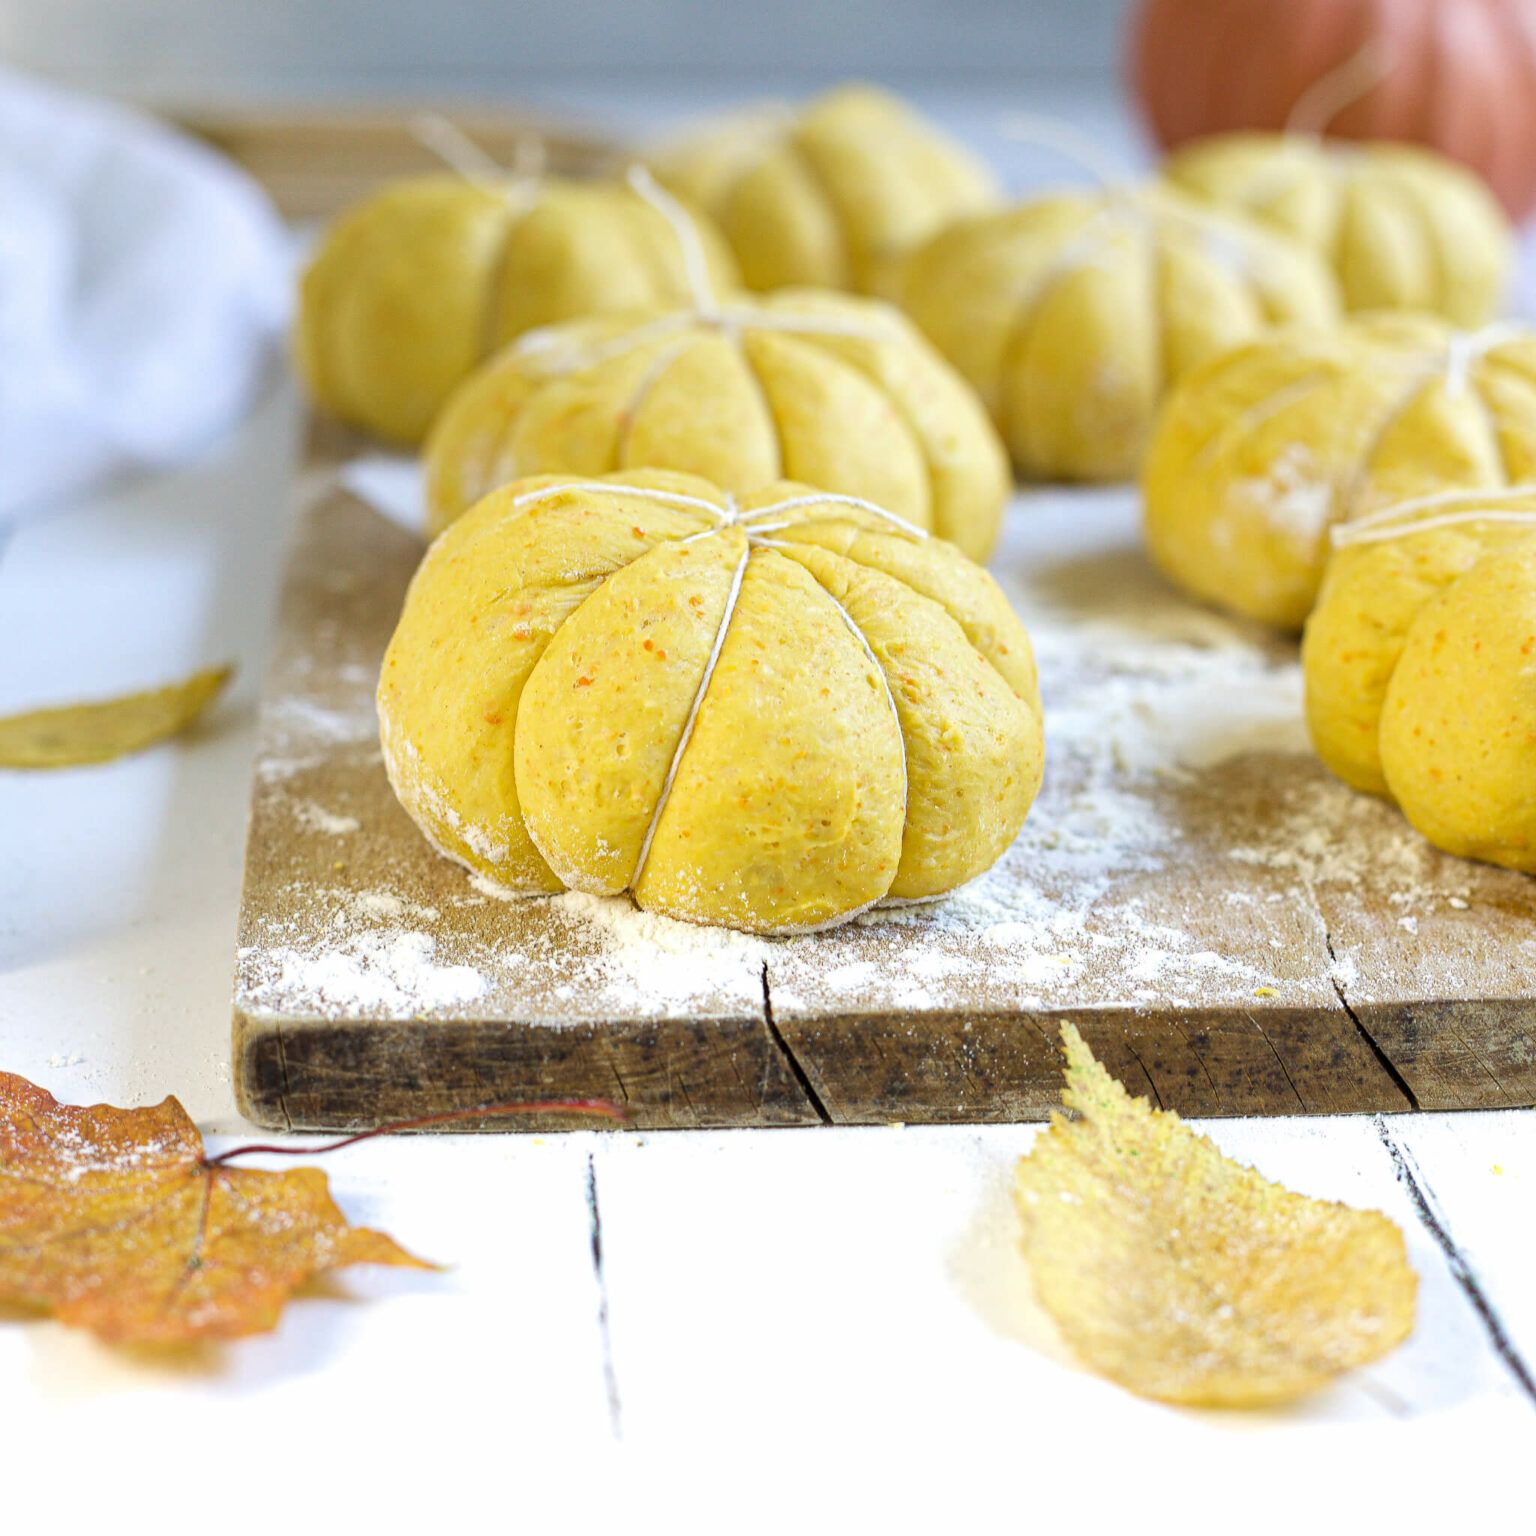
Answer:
(1196, 959)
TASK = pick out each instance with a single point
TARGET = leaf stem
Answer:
(447, 1117)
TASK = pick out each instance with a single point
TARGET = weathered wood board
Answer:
(313, 163)
(1233, 931)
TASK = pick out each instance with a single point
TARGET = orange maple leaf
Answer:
(117, 1221)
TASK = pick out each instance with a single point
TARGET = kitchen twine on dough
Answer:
(1317, 106)
(1400, 520)
(1339, 89)
(1467, 348)
(1121, 207)
(441, 136)
(558, 354)
(1454, 365)
(729, 516)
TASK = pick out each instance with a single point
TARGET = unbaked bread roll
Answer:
(413, 287)
(830, 195)
(768, 713)
(1258, 454)
(1420, 668)
(1402, 226)
(836, 391)
(1073, 315)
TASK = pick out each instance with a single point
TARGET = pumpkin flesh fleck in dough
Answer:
(839, 392)
(1259, 453)
(770, 724)
(1073, 316)
(412, 288)
(1402, 226)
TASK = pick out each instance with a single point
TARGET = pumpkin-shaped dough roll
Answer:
(1257, 455)
(829, 196)
(1402, 227)
(414, 286)
(835, 391)
(769, 713)
(1073, 315)
(1420, 668)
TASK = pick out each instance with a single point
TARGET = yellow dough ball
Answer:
(1073, 315)
(1402, 226)
(1258, 454)
(1420, 668)
(768, 714)
(835, 391)
(828, 196)
(413, 287)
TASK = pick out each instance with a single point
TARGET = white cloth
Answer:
(144, 282)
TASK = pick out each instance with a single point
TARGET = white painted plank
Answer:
(1477, 1176)
(385, 1379)
(859, 1289)
(119, 881)
(1448, 1361)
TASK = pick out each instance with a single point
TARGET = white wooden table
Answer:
(732, 1331)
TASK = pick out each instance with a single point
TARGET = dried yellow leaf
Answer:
(1185, 1276)
(96, 733)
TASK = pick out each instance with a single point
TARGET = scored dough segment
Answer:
(693, 714)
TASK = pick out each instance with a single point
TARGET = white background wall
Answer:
(187, 51)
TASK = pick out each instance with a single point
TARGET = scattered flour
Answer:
(363, 960)
(1157, 715)
(318, 819)
(391, 973)
(1295, 498)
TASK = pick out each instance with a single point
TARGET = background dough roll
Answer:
(1420, 669)
(1401, 226)
(1257, 455)
(410, 289)
(1073, 315)
(829, 196)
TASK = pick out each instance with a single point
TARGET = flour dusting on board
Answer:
(1186, 848)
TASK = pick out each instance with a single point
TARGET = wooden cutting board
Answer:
(313, 163)
(1233, 931)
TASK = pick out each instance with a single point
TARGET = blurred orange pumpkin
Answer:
(1458, 75)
